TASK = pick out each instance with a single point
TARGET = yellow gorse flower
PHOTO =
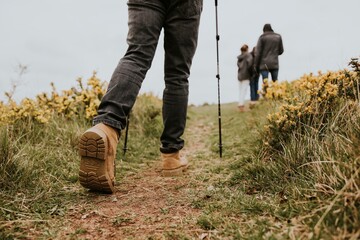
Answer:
(304, 99)
(84, 99)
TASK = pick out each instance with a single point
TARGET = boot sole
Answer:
(93, 174)
(174, 172)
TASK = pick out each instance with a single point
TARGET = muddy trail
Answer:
(146, 205)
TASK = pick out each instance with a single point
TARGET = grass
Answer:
(307, 187)
(39, 165)
(38, 173)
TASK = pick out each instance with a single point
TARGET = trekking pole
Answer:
(126, 135)
(125, 140)
(218, 75)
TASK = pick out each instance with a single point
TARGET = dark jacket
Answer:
(268, 49)
(245, 66)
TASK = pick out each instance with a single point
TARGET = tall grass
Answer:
(324, 171)
(311, 163)
(39, 162)
(38, 173)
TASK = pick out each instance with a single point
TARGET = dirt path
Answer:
(146, 205)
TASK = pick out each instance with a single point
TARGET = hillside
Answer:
(290, 168)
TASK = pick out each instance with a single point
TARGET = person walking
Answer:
(245, 65)
(254, 82)
(268, 49)
(179, 19)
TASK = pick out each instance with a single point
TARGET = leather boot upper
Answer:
(112, 135)
(172, 161)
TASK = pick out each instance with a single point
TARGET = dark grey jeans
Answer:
(180, 21)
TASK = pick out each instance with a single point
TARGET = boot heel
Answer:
(172, 172)
(93, 174)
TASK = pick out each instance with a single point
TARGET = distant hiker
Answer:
(180, 22)
(254, 82)
(268, 49)
(245, 66)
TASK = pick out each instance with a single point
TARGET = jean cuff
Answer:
(110, 123)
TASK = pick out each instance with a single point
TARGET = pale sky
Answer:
(60, 41)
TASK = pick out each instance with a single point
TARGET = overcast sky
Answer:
(60, 41)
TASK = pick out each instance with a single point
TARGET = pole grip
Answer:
(216, 2)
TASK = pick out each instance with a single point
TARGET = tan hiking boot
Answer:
(97, 148)
(252, 104)
(173, 164)
(241, 108)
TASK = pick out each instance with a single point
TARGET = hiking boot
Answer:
(173, 164)
(241, 108)
(97, 148)
(252, 104)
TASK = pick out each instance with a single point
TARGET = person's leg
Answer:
(254, 95)
(274, 74)
(145, 23)
(243, 87)
(180, 41)
(241, 97)
(256, 87)
(253, 89)
(264, 74)
(252, 92)
(97, 146)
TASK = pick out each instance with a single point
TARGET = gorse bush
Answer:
(311, 148)
(31, 130)
(309, 101)
(82, 101)
(39, 159)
